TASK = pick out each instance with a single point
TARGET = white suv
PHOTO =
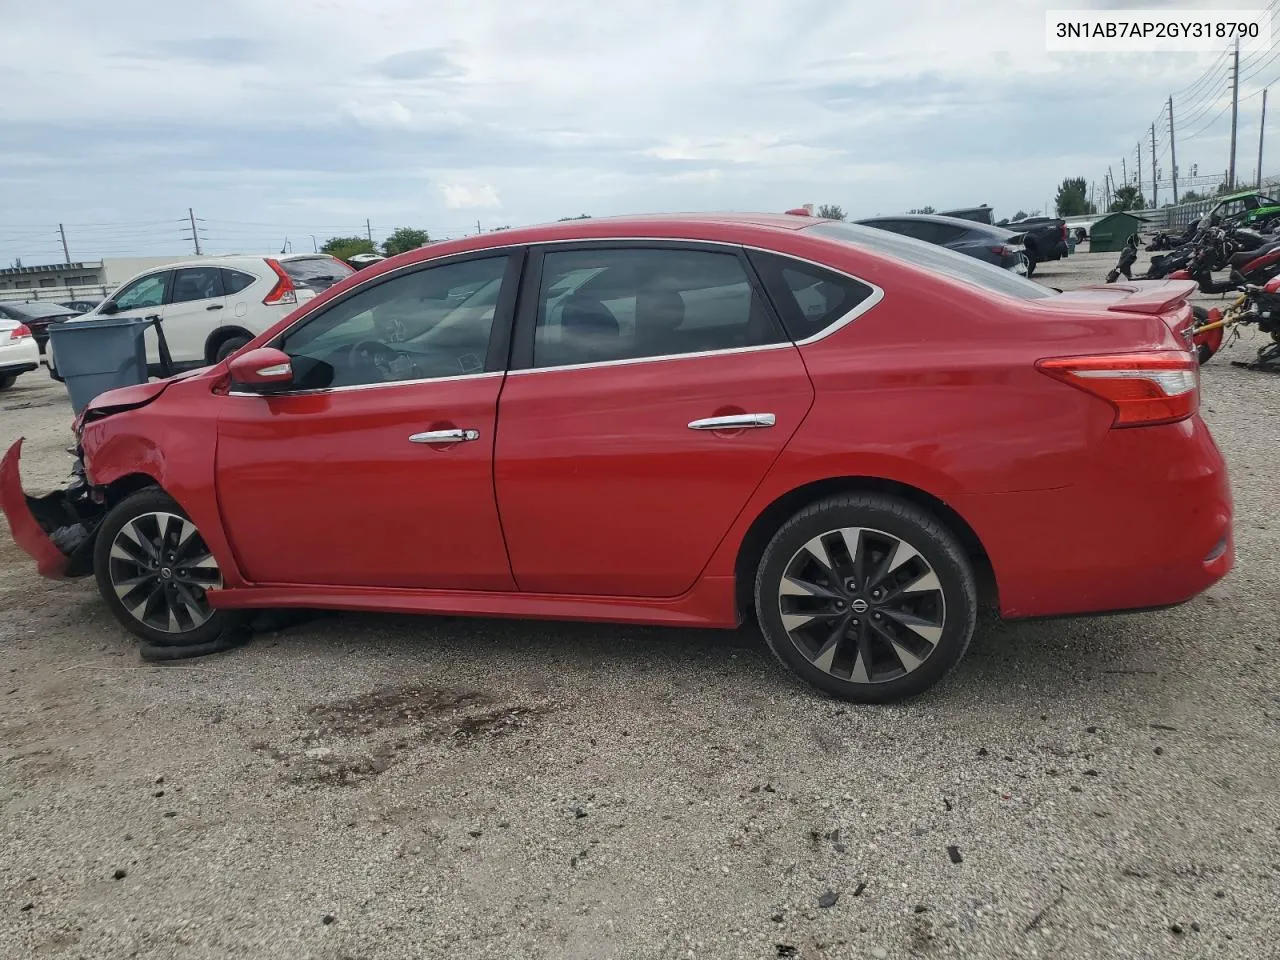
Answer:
(212, 306)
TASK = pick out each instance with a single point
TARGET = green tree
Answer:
(831, 211)
(345, 248)
(1127, 197)
(925, 209)
(1191, 197)
(1020, 215)
(404, 238)
(1073, 198)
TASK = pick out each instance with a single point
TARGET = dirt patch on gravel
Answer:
(349, 741)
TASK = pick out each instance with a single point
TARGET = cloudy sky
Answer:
(301, 117)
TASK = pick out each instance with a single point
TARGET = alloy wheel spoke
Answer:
(926, 630)
(818, 551)
(854, 542)
(862, 665)
(826, 655)
(796, 587)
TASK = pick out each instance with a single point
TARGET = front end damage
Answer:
(58, 529)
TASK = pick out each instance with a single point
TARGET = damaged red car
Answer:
(850, 437)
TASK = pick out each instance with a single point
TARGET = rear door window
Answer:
(605, 304)
(196, 283)
(809, 298)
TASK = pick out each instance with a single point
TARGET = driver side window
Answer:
(430, 323)
(144, 292)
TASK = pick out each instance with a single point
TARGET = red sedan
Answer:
(845, 435)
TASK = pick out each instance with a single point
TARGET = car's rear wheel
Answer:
(229, 346)
(154, 570)
(866, 597)
(8, 380)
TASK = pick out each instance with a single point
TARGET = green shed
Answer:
(1109, 234)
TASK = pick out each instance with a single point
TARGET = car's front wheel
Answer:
(8, 380)
(154, 570)
(866, 597)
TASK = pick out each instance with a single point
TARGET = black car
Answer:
(83, 304)
(37, 315)
(979, 240)
(1042, 238)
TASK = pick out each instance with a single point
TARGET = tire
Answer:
(1031, 265)
(230, 346)
(8, 380)
(1204, 352)
(125, 551)
(944, 611)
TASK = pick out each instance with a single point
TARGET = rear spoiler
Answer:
(1150, 296)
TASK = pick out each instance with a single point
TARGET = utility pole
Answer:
(1124, 171)
(1235, 106)
(1154, 186)
(1173, 153)
(1140, 167)
(478, 230)
(368, 230)
(1262, 125)
(195, 235)
(1111, 190)
(314, 248)
(67, 257)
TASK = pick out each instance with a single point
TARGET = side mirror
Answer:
(108, 307)
(263, 367)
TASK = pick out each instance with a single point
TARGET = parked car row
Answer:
(213, 306)
(847, 436)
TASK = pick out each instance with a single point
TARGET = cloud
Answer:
(418, 65)
(459, 196)
(301, 116)
(214, 51)
(392, 113)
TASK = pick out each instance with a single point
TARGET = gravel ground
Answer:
(391, 787)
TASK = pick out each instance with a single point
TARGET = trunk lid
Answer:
(1166, 299)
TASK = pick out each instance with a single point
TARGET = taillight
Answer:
(1001, 251)
(283, 291)
(20, 332)
(1144, 388)
(1064, 231)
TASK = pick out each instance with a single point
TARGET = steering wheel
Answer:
(390, 364)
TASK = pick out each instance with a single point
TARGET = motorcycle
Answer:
(1256, 305)
(1124, 266)
(1248, 267)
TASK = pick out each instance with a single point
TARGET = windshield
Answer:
(935, 259)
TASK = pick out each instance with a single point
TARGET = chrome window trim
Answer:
(867, 304)
(366, 386)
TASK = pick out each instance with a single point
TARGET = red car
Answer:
(846, 435)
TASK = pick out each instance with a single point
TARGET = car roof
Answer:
(986, 229)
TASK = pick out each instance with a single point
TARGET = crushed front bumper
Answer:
(57, 530)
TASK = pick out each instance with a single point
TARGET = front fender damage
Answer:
(58, 529)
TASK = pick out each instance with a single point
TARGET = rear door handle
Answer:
(737, 421)
(444, 436)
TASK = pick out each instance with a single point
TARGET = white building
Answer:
(64, 281)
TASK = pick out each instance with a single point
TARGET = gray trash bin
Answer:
(95, 356)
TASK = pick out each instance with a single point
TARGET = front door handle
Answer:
(737, 421)
(445, 436)
(214, 306)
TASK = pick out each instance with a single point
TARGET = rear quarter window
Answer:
(809, 298)
(233, 281)
(935, 259)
